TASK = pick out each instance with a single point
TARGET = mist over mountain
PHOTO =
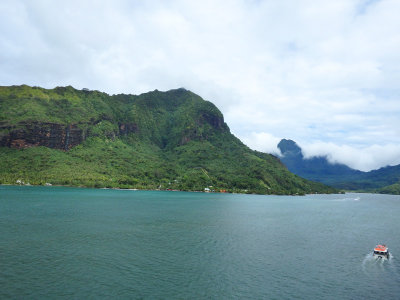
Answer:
(318, 168)
(157, 140)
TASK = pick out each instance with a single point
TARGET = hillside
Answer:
(157, 140)
(383, 180)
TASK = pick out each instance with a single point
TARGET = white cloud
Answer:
(263, 142)
(360, 158)
(306, 70)
(364, 159)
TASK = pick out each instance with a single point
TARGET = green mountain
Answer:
(157, 140)
(384, 180)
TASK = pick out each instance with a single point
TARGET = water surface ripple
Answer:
(88, 243)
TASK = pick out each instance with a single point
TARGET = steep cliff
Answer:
(57, 136)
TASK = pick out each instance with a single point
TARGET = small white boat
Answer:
(381, 251)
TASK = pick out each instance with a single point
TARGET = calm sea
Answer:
(88, 243)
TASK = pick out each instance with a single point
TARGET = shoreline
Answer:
(170, 190)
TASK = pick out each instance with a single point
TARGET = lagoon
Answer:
(63, 243)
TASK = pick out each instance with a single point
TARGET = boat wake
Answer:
(347, 199)
(373, 266)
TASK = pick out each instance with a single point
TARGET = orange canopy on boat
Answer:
(380, 248)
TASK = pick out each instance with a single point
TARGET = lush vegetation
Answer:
(158, 140)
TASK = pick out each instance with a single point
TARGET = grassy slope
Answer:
(176, 147)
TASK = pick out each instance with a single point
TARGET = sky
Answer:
(325, 74)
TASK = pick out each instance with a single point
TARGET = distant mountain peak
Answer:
(317, 168)
(289, 148)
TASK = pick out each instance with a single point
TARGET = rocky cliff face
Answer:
(64, 117)
(217, 122)
(50, 135)
(64, 137)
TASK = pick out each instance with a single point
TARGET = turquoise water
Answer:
(88, 243)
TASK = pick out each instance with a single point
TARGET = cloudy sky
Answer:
(323, 73)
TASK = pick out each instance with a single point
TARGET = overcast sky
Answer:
(323, 73)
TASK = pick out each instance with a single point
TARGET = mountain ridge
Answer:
(156, 140)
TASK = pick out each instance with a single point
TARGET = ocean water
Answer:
(71, 243)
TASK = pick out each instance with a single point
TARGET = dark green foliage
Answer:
(157, 140)
(393, 189)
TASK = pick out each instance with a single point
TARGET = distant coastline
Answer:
(159, 190)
